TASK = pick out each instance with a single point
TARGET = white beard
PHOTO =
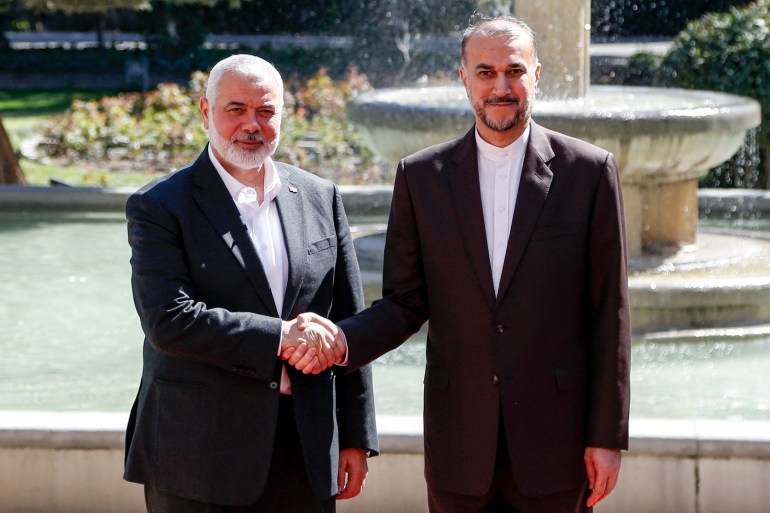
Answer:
(239, 157)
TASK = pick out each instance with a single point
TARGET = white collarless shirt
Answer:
(499, 177)
(265, 231)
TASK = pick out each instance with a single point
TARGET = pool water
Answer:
(70, 338)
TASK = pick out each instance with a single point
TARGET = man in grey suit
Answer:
(222, 251)
(510, 241)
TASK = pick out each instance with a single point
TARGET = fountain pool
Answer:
(71, 339)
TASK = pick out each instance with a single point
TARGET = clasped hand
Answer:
(311, 343)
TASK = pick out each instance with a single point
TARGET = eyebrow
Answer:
(235, 103)
(516, 64)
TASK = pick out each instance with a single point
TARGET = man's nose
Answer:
(251, 123)
(502, 85)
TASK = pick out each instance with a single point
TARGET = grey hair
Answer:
(511, 28)
(243, 65)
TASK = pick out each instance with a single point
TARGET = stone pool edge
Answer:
(372, 198)
(71, 462)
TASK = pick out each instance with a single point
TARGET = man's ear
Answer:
(203, 104)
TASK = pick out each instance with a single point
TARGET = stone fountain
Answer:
(663, 140)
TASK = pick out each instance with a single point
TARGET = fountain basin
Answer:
(663, 140)
(724, 281)
(663, 134)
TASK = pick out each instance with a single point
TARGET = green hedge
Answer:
(383, 67)
(376, 25)
(161, 130)
(649, 18)
(727, 52)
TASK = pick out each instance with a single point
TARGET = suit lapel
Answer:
(291, 212)
(536, 178)
(210, 193)
(466, 196)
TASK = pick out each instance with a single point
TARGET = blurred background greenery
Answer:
(113, 101)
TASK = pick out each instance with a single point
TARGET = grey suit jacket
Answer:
(550, 352)
(204, 420)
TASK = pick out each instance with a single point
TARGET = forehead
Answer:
(250, 89)
(498, 49)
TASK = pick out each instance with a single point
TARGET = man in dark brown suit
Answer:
(510, 240)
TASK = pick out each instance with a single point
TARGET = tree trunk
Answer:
(10, 172)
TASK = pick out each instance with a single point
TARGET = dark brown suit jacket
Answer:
(550, 352)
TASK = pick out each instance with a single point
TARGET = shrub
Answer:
(162, 130)
(157, 130)
(728, 52)
(612, 19)
(316, 135)
(642, 68)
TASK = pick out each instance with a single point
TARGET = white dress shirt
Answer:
(499, 177)
(265, 232)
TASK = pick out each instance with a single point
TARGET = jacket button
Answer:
(499, 328)
(495, 380)
(273, 385)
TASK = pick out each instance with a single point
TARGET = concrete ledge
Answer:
(368, 198)
(63, 429)
(398, 434)
(77, 199)
(71, 462)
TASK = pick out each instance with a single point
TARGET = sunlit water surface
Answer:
(70, 338)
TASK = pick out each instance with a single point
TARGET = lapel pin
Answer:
(293, 189)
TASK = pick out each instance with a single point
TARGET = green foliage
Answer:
(162, 130)
(37, 102)
(727, 52)
(642, 68)
(60, 61)
(84, 6)
(293, 62)
(390, 35)
(663, 18)
(316, 135)
(144, 130)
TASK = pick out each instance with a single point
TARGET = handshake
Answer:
(312, 343)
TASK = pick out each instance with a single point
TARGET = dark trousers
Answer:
(287, 490)
(504, 497)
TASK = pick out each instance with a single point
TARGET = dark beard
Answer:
(522, 113)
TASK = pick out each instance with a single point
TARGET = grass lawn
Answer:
(23, 110)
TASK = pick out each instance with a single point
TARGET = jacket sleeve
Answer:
(610, 337)
(175, 319)
(403, 309)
